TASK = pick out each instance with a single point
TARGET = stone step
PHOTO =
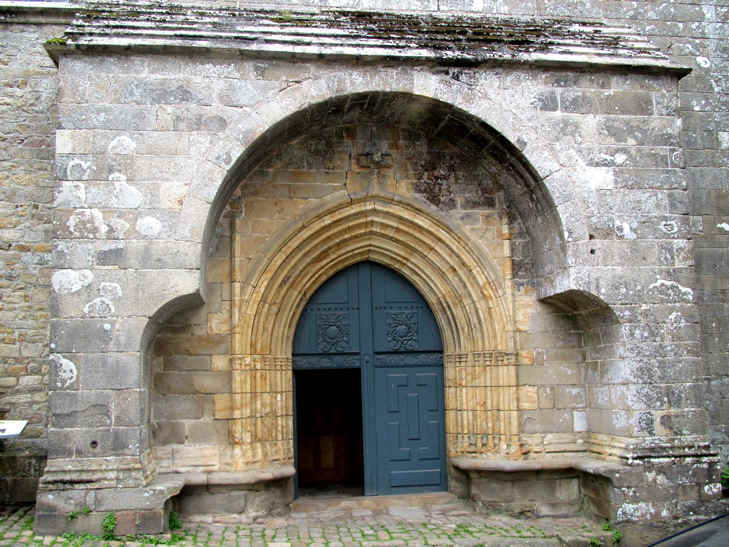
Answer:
(443, 501)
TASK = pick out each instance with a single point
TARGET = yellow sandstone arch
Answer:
(461, 286)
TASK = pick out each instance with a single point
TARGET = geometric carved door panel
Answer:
(410, 429)
(371, 318)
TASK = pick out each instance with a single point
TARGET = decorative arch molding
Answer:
(461, 286)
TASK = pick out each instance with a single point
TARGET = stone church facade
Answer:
(178, 181)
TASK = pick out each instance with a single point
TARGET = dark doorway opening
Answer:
(329, 432)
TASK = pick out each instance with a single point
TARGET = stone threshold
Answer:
(306, 505)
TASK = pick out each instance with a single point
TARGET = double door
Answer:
(372, 322)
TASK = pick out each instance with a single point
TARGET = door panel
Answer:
(416, 480)
(409, 429)
(329, 324)
(402, 319)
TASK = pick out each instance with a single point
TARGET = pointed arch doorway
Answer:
(368, 377)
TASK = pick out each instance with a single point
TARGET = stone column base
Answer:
(94, 473)
(138, 510)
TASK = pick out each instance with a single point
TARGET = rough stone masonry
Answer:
(176, 180)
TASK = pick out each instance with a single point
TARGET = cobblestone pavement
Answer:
(449, 523)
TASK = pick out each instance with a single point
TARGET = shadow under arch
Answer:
(588, 309)
(526, 192)
(152, 327)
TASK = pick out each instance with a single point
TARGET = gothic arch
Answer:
(459, 284)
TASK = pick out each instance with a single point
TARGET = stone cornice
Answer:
(446, 39)
(37, 13)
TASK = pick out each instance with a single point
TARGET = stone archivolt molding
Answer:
(462, 288)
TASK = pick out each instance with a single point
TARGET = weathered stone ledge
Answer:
(238, 478)
(145, 509)
(345, 33)
(152, 496)
(585, 464)
(549, 487)
(100, 472)
(37, 13)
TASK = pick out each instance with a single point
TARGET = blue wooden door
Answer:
(370, 317)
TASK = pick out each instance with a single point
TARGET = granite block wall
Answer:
(625, 352)
(28, 83)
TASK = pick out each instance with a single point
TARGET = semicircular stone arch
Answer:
(483, 124)
(457, 281)
(471, 295)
